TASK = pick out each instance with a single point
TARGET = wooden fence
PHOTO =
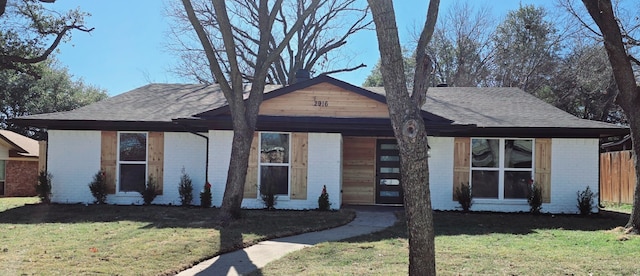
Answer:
(617, 177)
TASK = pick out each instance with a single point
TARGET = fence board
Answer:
(617, 177)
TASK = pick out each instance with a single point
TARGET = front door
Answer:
(388, 186)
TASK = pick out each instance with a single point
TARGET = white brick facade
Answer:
(74, 157)
(73, 160)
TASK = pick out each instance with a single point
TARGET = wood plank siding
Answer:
(324, 100)
(358, 170)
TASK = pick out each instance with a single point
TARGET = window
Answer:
(501, 168)
(274, 163)
(132, 161)
(2, 175)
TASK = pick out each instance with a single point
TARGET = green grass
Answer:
(482, 244)
(133, 240)
(618, 207)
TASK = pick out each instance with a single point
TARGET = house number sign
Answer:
(316, 102)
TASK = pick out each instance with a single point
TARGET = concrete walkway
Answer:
(368, 220)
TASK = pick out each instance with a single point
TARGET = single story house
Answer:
(323, 131)
(18, 164)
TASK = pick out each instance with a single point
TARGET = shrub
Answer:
(534, 198)
(185, 189)
(150, 191)
(323, 200)
(43, 188)
(268, 197)
(205, 196)
(585, 201)
(98, 187)
(465, 197)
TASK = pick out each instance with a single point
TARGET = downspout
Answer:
(206, 159)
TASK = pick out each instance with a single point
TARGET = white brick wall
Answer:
(441, 173)
(73, 160)
(575, 165)
(324, 168)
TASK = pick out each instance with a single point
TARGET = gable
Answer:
(324, 100)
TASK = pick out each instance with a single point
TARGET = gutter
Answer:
(206, 159)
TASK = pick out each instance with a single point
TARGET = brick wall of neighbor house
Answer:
(74, 157)
(21, 178)
(324, 159)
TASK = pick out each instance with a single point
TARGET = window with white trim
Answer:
(3, 175)
(132, 161)
(275, 163)
(501, 168)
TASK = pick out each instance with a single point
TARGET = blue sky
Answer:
(127, 49)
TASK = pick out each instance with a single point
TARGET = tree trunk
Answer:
(629, 96)
(236, 176)
(410, 132)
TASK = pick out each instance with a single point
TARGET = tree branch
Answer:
(344, 70)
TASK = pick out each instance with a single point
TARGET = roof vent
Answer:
(302, 75)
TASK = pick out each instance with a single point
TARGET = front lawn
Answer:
(133, 240)
(482, 244)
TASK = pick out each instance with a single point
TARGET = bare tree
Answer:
(29, 33)
(409, 128)
(312, 48)
(461, 46)
(616, 40)
(225, 68)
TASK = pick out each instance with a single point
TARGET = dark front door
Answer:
(388, 186)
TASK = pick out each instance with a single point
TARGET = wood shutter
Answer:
(155, 158)
(299, 146)
(251, 181)
(543, 167)
(108, 158)
(461, 164)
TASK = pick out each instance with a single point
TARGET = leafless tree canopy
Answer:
(313, 48)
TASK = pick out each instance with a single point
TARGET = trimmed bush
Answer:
(43, 188)
(185, 189)
(534, 198)
(465, 197)
(323, 200)
(268, 197)
(205, 196)
(98, 187)
(585, 201)
(150, 191)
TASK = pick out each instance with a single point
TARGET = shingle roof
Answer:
(153, 103)
(23, 146)
(486, 107)
(498, 107)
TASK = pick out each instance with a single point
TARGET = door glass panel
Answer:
(389, 193)
(484, 184)
(516, 184)
(389, 170)
(389, 158)
(390, 182)
(389, 146)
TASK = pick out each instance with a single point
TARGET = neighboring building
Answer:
(323, 131)
(18, 164)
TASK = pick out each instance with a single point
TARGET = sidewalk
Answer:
(368, 220)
